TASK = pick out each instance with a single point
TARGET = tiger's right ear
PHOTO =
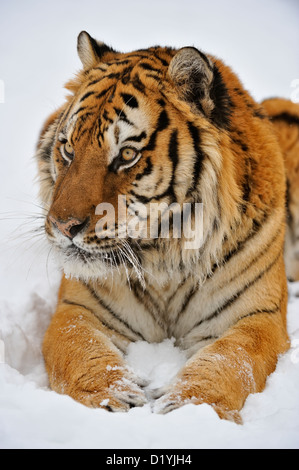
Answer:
(192, 74)
(91, 51)
(199, 81)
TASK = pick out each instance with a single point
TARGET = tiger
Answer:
(163, 126)
(284, 115)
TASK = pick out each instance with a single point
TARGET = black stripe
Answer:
(163, 121)
(136, 138)
(83, 132)
(145, 299)
(188, 297)
(137, 83)
(103, 92)
(78, 111)
(119, 62)
(93, 82)
(145, 199)
(289, 215)
(204, 58)
(154, 77)
(257, 226)
(263, 252)
(146, 66)
(125, 79)
(80, 123)
(147, 170)
(130, 100)
(100, 48)
(238, 294)
(99, 133)
(173, 148)
(76, 304)
(221, 114)
(206, 338)
(161, 102)
(122, 116)
(246, 185)
(101, 68)
(199, 156)
(259, 311)
(174, 157)
(259, 113)
(106, 117)
(114, 75)
(287, 117)
(258, 256)
(89, 93)
(241, 144)
(162, 124)
(164, 62)
(112, 312)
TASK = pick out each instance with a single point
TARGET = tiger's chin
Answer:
(80, 264)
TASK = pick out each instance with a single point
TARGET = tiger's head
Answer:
(147, 126)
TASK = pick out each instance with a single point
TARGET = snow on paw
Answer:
(116, 390)
(182, 393)
(128, 392)
(229, 415)
(169, 401)
(169, 397)
(173, 401)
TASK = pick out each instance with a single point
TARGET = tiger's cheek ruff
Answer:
(47, 174)
(161, 126)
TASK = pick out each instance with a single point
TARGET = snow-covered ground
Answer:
(37, 55)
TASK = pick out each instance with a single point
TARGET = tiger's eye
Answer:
(68, 149)
(128, 154)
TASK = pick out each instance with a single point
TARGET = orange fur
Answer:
(285, 117)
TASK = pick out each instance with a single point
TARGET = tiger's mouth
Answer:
(86, 262)
(110, 256)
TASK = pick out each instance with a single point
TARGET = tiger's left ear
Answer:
(199, 82)
(90, 51)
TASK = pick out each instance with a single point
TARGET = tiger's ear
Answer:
(192, 73)
(90, 51)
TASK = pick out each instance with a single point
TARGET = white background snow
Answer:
(259, 39)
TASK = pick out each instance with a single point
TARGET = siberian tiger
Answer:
(169, 126)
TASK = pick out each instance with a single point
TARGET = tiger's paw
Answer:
(118, 390)
(179, 394)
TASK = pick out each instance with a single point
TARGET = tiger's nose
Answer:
(69, 228)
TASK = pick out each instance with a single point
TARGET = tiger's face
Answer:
(125, 139)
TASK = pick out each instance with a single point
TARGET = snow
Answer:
(32, 416)
(38, 54)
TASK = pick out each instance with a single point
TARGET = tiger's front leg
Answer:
(82, 362)
(224, 373)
